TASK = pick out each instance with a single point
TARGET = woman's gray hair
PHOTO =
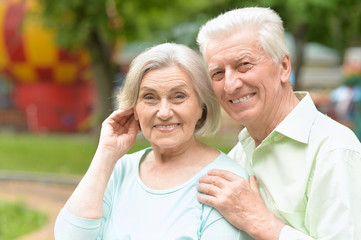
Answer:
(168, 55)
(268, 24)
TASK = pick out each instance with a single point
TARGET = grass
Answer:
(46, 153)
(55, 153)
(66, 153)
(17, 220)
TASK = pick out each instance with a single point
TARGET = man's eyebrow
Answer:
(243, 56)
(213, 68)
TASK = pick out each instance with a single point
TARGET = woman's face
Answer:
(168, 107)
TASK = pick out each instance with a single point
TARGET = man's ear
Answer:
(285, 69)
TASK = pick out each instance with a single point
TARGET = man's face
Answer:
(245, 79)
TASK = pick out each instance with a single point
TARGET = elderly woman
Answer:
(152, 194)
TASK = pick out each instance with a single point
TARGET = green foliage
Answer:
(75, 20)
(335, 23)
(146, 20)
(17, 220)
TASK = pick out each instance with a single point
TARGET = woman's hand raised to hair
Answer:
(118, 133)
(117, 136)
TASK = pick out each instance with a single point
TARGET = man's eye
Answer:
(216, 76)
(244, 67)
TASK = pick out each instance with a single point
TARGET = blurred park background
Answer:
(61, 63)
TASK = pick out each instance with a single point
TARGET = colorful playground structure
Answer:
(51, 87)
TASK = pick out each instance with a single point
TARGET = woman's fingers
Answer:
(119, 117)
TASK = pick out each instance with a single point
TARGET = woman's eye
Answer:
(180, 95)
(148, 97)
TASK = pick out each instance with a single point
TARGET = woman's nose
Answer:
(165, 110)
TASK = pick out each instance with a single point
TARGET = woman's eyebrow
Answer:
(146, 88)
(181, 86)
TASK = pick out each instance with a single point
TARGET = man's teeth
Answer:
(167, 126)
(242, 99)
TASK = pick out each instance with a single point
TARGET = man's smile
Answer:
(242, 99)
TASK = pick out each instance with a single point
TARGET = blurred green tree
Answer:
(103, 26)
(335, 23)
(100, 26)
(95, 26)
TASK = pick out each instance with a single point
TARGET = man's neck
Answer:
(259, 130)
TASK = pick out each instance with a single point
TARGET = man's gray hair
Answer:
(267, 23)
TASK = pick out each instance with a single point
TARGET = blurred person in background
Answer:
(152, 194)
(352, 80)
(306, 165)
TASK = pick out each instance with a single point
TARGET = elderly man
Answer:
(305, 168)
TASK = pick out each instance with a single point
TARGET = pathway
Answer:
(41, 192)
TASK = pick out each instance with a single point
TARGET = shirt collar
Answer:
(297, 125)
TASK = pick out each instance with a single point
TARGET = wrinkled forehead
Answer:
(241, 44)
(170, 77)
(243, 36)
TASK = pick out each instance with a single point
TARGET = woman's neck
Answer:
(168, 168)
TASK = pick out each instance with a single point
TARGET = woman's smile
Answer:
(166, 127)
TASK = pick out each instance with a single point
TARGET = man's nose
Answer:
(232, 81)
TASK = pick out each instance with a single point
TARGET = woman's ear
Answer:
(136, 117)
(135, 114)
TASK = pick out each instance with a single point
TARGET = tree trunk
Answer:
(300, 40)
(104, 73)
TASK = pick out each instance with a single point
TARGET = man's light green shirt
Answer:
(309, 174)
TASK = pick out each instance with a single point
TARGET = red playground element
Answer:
(52, 86)
(49, 107)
